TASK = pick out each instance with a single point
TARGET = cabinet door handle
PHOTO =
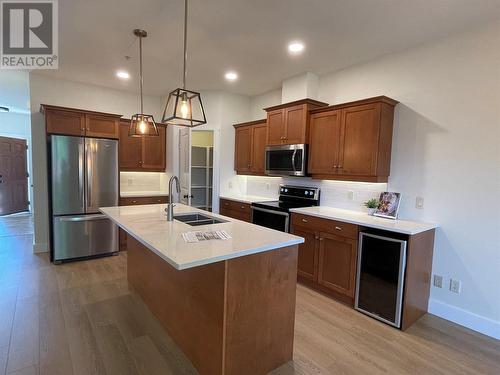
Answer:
(338, 228)
(316, 238)
(134, 201)
(321, 238)
(305, 221)
(243, 207)
(335, 166)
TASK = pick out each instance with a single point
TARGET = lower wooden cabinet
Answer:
(308, 254)
(337, 263)
(236, 210)
(131, 201)
(328, 257)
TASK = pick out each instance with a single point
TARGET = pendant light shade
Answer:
(184, 107)
(141, 124)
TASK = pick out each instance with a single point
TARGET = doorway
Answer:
(13, 176)
(196, 168)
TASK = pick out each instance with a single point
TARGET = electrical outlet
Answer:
(230, 184)
(455, 286)
(129, 181)
(419, 203)
(268, 186)
(438, 281)
(350, 195)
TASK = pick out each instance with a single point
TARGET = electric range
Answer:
(276, 214)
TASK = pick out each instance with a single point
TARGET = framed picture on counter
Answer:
(389, 205)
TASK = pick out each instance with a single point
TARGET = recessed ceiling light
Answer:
(231, 76)
(296, 47)
(4, 109)
(122, 74)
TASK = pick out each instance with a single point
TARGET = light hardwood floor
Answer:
(81, 318)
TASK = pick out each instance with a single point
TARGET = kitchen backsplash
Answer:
(339, 194)
(143, 181)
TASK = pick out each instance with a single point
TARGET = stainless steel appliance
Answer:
(84, 177)
(286, 160)
(276, 214)
(380, 275)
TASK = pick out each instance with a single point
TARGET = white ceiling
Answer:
(248, 36)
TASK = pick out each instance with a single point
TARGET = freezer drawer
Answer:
(83, 235)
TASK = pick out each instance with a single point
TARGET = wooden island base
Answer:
(230, 317)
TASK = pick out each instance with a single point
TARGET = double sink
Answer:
(195, 219)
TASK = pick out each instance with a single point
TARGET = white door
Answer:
(185, 165)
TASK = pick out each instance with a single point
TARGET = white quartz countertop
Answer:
(362, 218)
(247, 198)
(148, 224)
(146, 193)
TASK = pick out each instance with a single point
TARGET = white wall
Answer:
(267, 99)
(46, 90)
(445, 149)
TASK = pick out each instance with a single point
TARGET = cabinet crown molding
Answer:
(375, 99)
(44, 107)
(313, 102)
(250, 123)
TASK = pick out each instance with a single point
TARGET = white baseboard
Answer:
(40, 247)
(486, 326)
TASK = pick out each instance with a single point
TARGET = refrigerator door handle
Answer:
(90, 171)
(83, 218)
(81, 173)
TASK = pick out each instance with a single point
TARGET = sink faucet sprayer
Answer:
(170, 206)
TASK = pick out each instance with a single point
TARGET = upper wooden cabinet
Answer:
(250, 144)
(147, 154)
(352, 141)
(71, 121)
(289, 123)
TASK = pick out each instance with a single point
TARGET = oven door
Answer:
(271, 219)
(286, 160)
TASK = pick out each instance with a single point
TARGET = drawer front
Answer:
(143, 200)
(237, 206)
(324, 225)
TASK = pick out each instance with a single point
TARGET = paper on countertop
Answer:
(191, 237)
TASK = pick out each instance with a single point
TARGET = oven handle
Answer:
(271, 211)
(286, 214)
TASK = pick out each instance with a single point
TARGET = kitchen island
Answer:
(228, 304)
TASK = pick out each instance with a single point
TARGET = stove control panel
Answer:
(299, 192)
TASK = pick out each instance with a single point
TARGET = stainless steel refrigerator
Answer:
(84, 177)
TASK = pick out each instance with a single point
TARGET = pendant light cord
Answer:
(140, 70)
(185, 43)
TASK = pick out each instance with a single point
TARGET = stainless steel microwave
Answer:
(286, 160)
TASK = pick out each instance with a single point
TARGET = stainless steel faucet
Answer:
(170, 206)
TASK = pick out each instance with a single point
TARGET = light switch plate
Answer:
(438, 281)
(350, 195)
(455, 286)
(268, 186)
(419, 203)
(230, 184)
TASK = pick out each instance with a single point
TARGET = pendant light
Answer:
(184, 107)
(142, 125)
